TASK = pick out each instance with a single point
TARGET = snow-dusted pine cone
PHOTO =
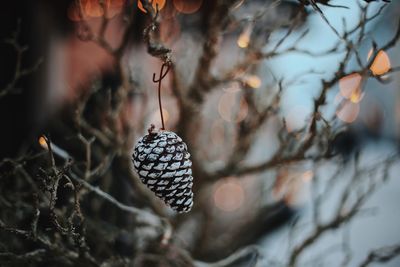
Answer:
(162, 161)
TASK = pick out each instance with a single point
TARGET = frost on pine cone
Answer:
(162, 161)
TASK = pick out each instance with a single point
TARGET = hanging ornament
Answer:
(163, 163)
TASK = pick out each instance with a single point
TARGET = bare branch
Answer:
(19, 72)
(381, 255)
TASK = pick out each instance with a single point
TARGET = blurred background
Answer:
(289, 109)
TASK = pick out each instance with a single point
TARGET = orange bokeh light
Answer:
(348, 111)
(92, 8)
(253, 81)
(156, 4)
(356, 96)
(187, 6)
(42, 142)
(229, 195)
(349, 84)
(84, 9)
(244, 38)
(381, 64)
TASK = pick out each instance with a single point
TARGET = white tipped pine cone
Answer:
(162, 161)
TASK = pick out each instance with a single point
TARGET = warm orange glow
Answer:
(349, 84)
(348, 111)
(253, 81)
(232, 107)
(92, 8)
(156, 4)
(42, 142)
(351, 87)
(244, 38)
(229, 195)
(187, 6)
(83, 9)
(356, 96)
(381, 64)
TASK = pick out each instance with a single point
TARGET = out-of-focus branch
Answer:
(345, 211)
(369, 1)
(32, 256)
(143, 216)
(67, 254)
(19, 72)
(247, 256)
(326, 85)
(381, 255)
(281, 156)
(200, 85)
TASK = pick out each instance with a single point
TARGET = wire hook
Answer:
(163, 72)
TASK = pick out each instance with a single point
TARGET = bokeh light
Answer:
(232, 107)
(92, 8)
(252, 81)
(156, 4)
(356, 96)
(187, 6)
(42, 142)
(351, 87)
(349, 84)
(348, 111)
(381, 64)
(229, 195)
(84, 9)
(244, 38)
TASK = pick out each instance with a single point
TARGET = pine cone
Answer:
(162, 162)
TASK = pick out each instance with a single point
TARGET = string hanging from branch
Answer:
(165, 66)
